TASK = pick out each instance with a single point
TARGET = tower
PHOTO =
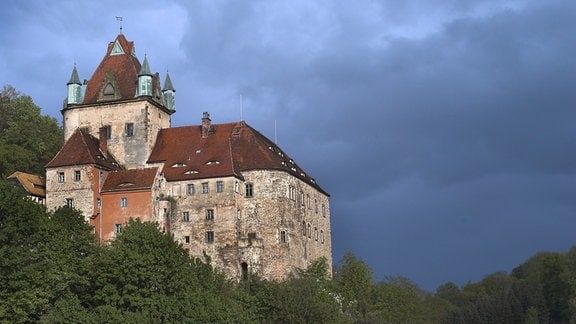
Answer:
(74, 89)
(168, 93)
(123, 97)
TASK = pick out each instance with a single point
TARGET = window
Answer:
(323, 210)
(209, 214)
(117, 228)
(322, 237)
(316, 233)
(186, 239)
(108, 130)
(99, 202)
(304, 228)
(316, 206)
(236, 187)
(308, 201)
(309, 231)
(219, 186)
(210, 237)
(60, 177)
(123, 202)
(249, 190)
(129, 129)
(76, 175)
(69, 202)
(190, 191)
(282, 236)
(186, 216)
(205, 187)
(292, 193)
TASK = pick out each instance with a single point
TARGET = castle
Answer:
(222, 190)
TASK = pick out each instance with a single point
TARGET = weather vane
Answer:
(120, 18)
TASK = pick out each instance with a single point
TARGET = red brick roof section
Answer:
(129, 180)
(125, 68)
(228, 150)
(82, 148)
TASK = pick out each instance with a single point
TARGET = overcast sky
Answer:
(443, 130)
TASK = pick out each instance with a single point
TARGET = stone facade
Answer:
(130, 149)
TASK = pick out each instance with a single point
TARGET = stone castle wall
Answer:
(277, 229)
(130, 151)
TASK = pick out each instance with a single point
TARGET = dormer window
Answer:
(191, 172)
(178, 165)
(212, 162)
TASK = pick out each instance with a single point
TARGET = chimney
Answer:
(103, 140)
(205, 124)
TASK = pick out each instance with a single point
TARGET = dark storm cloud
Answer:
(442, 129)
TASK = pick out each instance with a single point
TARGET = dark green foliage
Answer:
(28, 140)
(305, 297)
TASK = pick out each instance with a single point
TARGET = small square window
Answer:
(76, 175)
(117, 228)
(210, 237)
(209, 214)
(190, 189)
(219, 186)
(60, 177)
(186, 239)
(129, 129)
(123, 202)
(186, 216)
(69, 202)
(205, 187)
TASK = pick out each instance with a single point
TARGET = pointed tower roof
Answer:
(121, 61)
(168, 83)
(74, 79)
(145, 70)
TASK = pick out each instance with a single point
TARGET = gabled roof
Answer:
(33, 184)
(123, 65)
(82, 148)
(131, 179)
(228, 150)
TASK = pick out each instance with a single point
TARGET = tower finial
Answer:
(120, 19)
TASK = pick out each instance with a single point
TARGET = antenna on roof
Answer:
(241, 108)
(120, 19)
(275, 133)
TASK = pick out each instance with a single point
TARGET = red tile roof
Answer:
(128, 180)
(229, 149)
(82, 148)
(125, 68)
(33, 184)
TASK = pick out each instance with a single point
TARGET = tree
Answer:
(28, 140)
(354, 283)
(305, 297)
